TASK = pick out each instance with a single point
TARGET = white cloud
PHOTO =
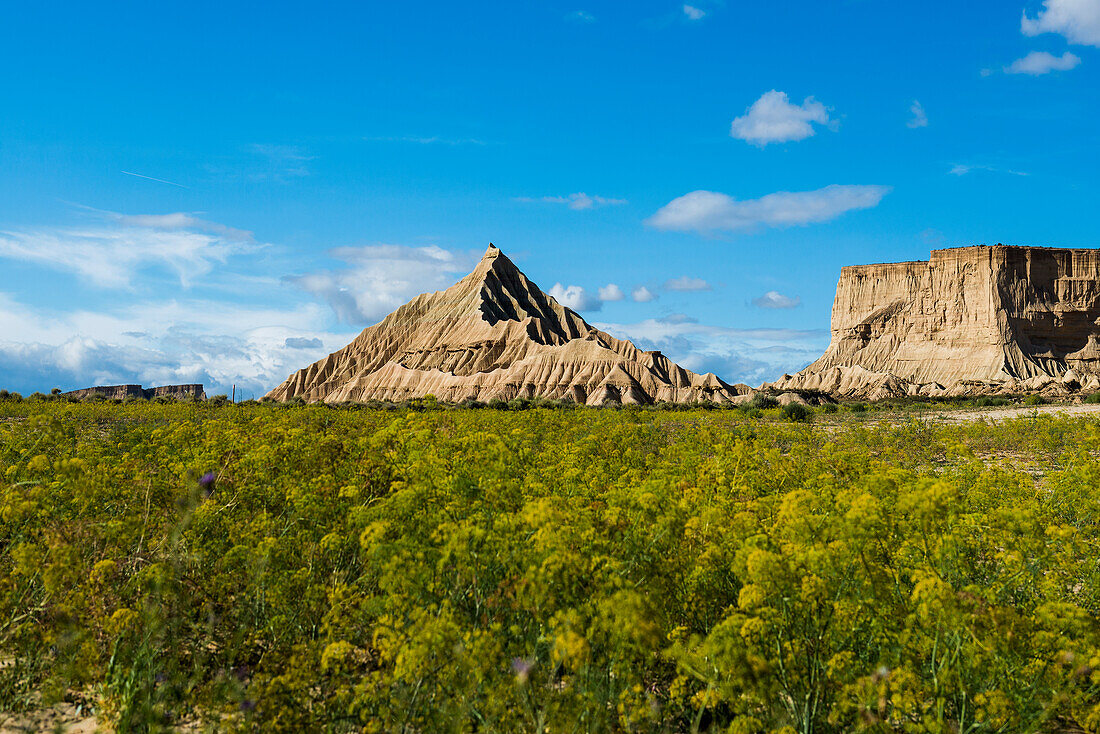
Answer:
(751, 356)
(694, 13)
(1077, 20)
(641, 294)
(110, 255)
(160, 342)
(919, 116)
(301, 342)
(686, 283)
(581, 16)
(379, 278)
(575, 297)
(773, 119)
(1038, 63)
(611, 292)
(775, 299)
(710, 211)
(961, 169)
(578, 201)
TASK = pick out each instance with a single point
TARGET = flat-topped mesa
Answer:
(121, 392)
(495, 335)
(969, 320)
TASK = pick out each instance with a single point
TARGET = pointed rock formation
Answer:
(496, 335)
(971, 320)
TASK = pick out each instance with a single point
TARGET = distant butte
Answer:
(971, 320)
(496, 335)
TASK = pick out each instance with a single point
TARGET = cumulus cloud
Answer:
(578, 201)
(919, 116)
(376, 279)
(775, 299)
(159, 342)
(694, 13)
(575, 297)
(710, 211)
(773, 119)
(1077, 20)
(1038, 63)
(641, 294)
(110, 253)
(611, 292)
(751, 356)
(687, 283)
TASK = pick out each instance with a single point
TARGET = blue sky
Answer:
(220, 193)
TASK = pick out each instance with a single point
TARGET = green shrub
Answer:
(1035, 400)
(829, 408)
(797, 412)
(858, 407)
(764, 402)
(1093, 399)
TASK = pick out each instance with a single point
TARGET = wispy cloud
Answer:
(919, 116)
(961, 169)
(578, 201)
(773, 119)
(775, 299)
(425, 140)
(694, 13)
(580, 16)
(687, 284)
(1038, 63)
(279, 163)
(110, 254)
(1077, 20)
(710, 211)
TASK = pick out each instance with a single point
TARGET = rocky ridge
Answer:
(969, 321)
(497, 335)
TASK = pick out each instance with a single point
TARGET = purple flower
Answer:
(522, 668)
(207, 482)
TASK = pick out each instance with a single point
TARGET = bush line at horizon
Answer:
(761, 401)
(304, 569)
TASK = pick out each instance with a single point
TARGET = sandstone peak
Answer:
(986, 318)
(495, 335)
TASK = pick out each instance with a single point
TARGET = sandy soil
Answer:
(63, 717)
(1017, 411)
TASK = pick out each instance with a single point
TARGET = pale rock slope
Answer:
(971, 320)
(496, 335)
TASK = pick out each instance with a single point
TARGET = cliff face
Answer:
(179, 392)
(971, 318)
(495, 335)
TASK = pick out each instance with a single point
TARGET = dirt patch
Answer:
(1019, 411)
(63, 717)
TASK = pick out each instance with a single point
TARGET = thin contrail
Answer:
(161, 180)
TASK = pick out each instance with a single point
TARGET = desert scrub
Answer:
(311, 568)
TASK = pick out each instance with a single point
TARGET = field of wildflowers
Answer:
(422, 569)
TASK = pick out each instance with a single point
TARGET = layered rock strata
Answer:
(179, 392)
(496, 335)
(971, 320)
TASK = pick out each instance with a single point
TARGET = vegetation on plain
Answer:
(548, 568)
